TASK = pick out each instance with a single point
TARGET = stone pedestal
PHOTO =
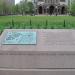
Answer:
(54, 54)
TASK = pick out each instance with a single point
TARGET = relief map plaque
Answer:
(27, 38)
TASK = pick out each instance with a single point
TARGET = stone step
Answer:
(37, 71)
(55, 49)
(37, 61)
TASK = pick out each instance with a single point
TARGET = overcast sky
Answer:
(17, 1)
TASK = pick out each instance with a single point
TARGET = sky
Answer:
(17, 1)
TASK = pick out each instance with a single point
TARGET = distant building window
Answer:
(56, 1)
(40, 0)
(62, 0)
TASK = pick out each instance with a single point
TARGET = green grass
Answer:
(36, 22)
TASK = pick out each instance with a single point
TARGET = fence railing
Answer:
(47, 24)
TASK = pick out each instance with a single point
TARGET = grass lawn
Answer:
(36, 22)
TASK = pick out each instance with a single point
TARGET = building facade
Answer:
(51, 6)
(11, 2)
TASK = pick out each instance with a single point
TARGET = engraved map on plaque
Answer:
(20, 38)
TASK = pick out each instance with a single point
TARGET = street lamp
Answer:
(56, 10)
(47, 9)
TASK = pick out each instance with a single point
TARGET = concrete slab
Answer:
(54, 54)
(47, 40)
